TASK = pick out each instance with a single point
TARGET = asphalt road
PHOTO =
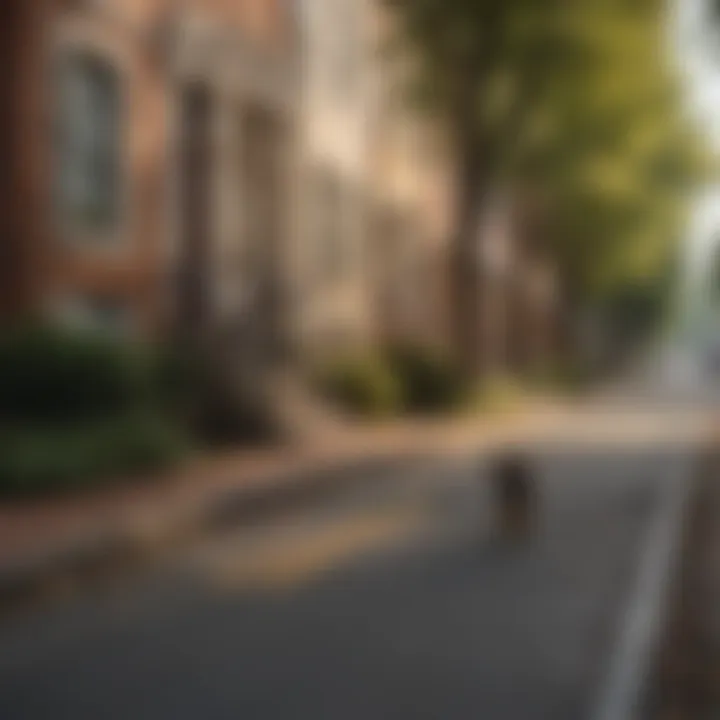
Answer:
(394, 601)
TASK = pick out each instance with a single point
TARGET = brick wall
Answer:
(44, 262)
(22, 149)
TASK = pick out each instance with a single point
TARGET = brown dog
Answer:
(514, 495)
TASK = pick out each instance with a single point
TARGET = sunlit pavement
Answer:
(395, 600)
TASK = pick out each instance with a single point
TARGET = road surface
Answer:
(395, 600)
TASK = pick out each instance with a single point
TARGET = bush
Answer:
(363, 384)
(77, 408)
(58, 458)
(496, 393)
(402, 379)
(203, 388)
(430, 382)
(50, 375)
(179, 377)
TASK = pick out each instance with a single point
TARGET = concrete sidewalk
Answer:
(44, 540)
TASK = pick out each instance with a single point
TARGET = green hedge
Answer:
(78, 409)
(405, 379)
(363, 384)
(56, 458)
(50, 375)
(429, 380)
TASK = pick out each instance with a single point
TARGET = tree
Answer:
(570, 101)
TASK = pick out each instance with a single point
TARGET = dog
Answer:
(514, 495)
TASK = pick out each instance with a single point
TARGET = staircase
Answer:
(300, 415)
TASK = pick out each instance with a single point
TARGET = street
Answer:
(359, 360)
(393, 600)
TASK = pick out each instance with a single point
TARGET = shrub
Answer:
(406, 378)
(58, 458)
(205, 390)
(430, 382)
(50, 375)
(179, 377)
(362, 384)
(140, 443)
(496, 392)
(77, 408)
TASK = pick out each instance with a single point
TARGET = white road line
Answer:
(624, 690)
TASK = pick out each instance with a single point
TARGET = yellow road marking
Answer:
(287, 562)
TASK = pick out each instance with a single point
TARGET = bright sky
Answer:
(699, 57)
(700, 60)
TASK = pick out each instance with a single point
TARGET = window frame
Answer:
(88, 312)
(76, 40)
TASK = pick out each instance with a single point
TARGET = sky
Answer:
(699, 60)
(698, 54)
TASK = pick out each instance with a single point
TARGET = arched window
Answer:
(88, 143)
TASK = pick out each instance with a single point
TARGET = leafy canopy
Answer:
(577, 100)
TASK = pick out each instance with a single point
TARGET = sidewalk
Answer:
(44, 539)
(686, 681)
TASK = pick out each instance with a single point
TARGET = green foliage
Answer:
(205, 390)
(180, 377)
(63, 457)
(363, 384)
(496, 393)
(403, 379)
(567, 377)
(430, 382)
(51, 375)
(78, 409)
(575, 104)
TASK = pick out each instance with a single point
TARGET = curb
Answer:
(133, 541)
(627, 686)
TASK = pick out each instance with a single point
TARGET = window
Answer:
(95, 313)
(88, 131)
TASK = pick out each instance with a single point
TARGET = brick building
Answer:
(244, 169)
(148, 147)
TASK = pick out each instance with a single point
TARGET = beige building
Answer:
(331, 257)
(234, 167)
(410, 194)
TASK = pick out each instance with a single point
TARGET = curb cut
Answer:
(626, 686)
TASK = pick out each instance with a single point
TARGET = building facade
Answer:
(331, 263)
(245, 168)
(150, 144)
(410, 192)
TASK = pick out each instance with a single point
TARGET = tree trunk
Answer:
(465, 275)
(478, 287)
